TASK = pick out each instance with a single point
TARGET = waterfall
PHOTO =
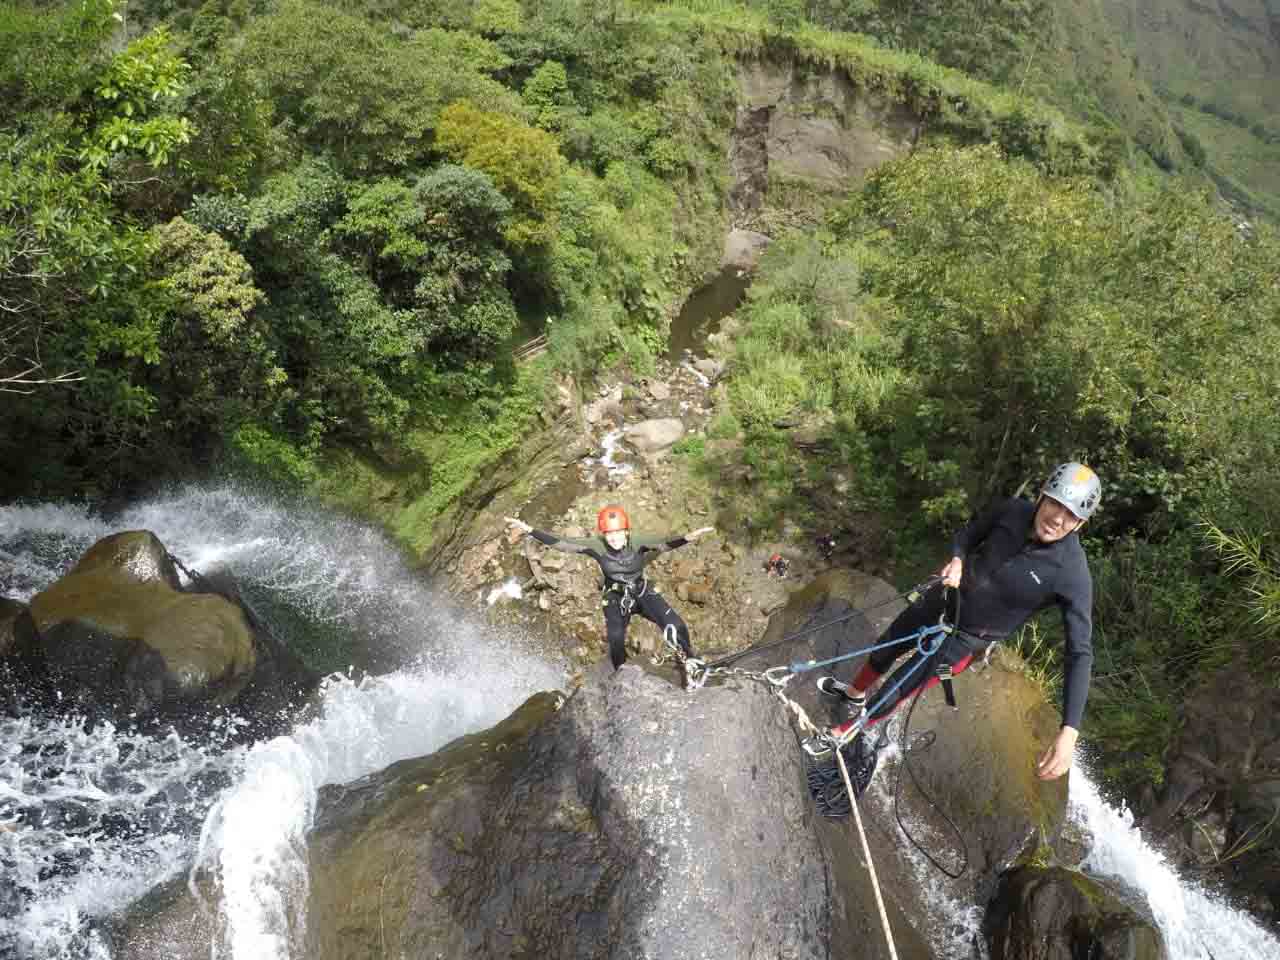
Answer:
(91, 818)
(1196, 924)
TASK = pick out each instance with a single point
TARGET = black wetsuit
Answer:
(626, 590)
(1008, 577)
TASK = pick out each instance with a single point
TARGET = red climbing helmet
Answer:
(611, 518)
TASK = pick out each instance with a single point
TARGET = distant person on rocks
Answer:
(1012, 560)
(622, 558)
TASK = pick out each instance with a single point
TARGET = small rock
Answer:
(650, 436)
(709, 368)
(699, 593)
(551, 560)
(544, 600)
(659, 390)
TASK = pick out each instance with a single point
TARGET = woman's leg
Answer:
(615, 628)
(656, 610)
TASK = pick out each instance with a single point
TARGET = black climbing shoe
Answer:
(843, 692)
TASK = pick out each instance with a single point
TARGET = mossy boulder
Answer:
(1058, 914)
(117, 632)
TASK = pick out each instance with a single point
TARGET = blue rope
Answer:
(920, 636)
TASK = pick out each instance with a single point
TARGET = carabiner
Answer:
(778, 676)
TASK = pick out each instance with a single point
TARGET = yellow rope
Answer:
(866, 852)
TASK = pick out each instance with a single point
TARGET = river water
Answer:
(91, 819)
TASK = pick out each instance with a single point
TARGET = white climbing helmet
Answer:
(1076, 487)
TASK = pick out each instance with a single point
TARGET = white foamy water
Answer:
(93, 818)
(508, 590)
(1196, 925)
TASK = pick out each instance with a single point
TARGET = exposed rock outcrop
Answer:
(605, 832)
(811, 126)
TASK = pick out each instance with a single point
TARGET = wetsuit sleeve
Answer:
(1077, 623)
(652, 545)
(561, 544)
(975, 531)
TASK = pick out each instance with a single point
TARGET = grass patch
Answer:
(1246, 168)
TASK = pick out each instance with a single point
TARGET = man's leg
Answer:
(655, 609)
(924, 612)
(615, 626)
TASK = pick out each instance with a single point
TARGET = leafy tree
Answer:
(369, 98)
(547, 94)
(431, 249)
(217, 367)
(523, 162)
(494, 17)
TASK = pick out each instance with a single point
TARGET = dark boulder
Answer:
(1057, 914)
(635, 821)
(22, 669)
(1220, 801)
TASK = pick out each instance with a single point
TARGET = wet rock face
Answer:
(1057, 914)
(638, 821)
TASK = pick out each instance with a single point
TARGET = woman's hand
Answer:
(950, 574)
(700, 532)
(519, 524)
(1057, 759)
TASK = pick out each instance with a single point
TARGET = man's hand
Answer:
(701, 531)
(519, 524)
(950, 574)
(1057, 759)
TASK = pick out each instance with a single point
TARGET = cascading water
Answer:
(1196, 924)
(90, 819)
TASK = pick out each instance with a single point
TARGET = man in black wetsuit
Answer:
(622, 560)
(1012, 560)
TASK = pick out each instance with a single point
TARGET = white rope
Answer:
(866, 852)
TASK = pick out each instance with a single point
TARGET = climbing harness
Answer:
(630, 593)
